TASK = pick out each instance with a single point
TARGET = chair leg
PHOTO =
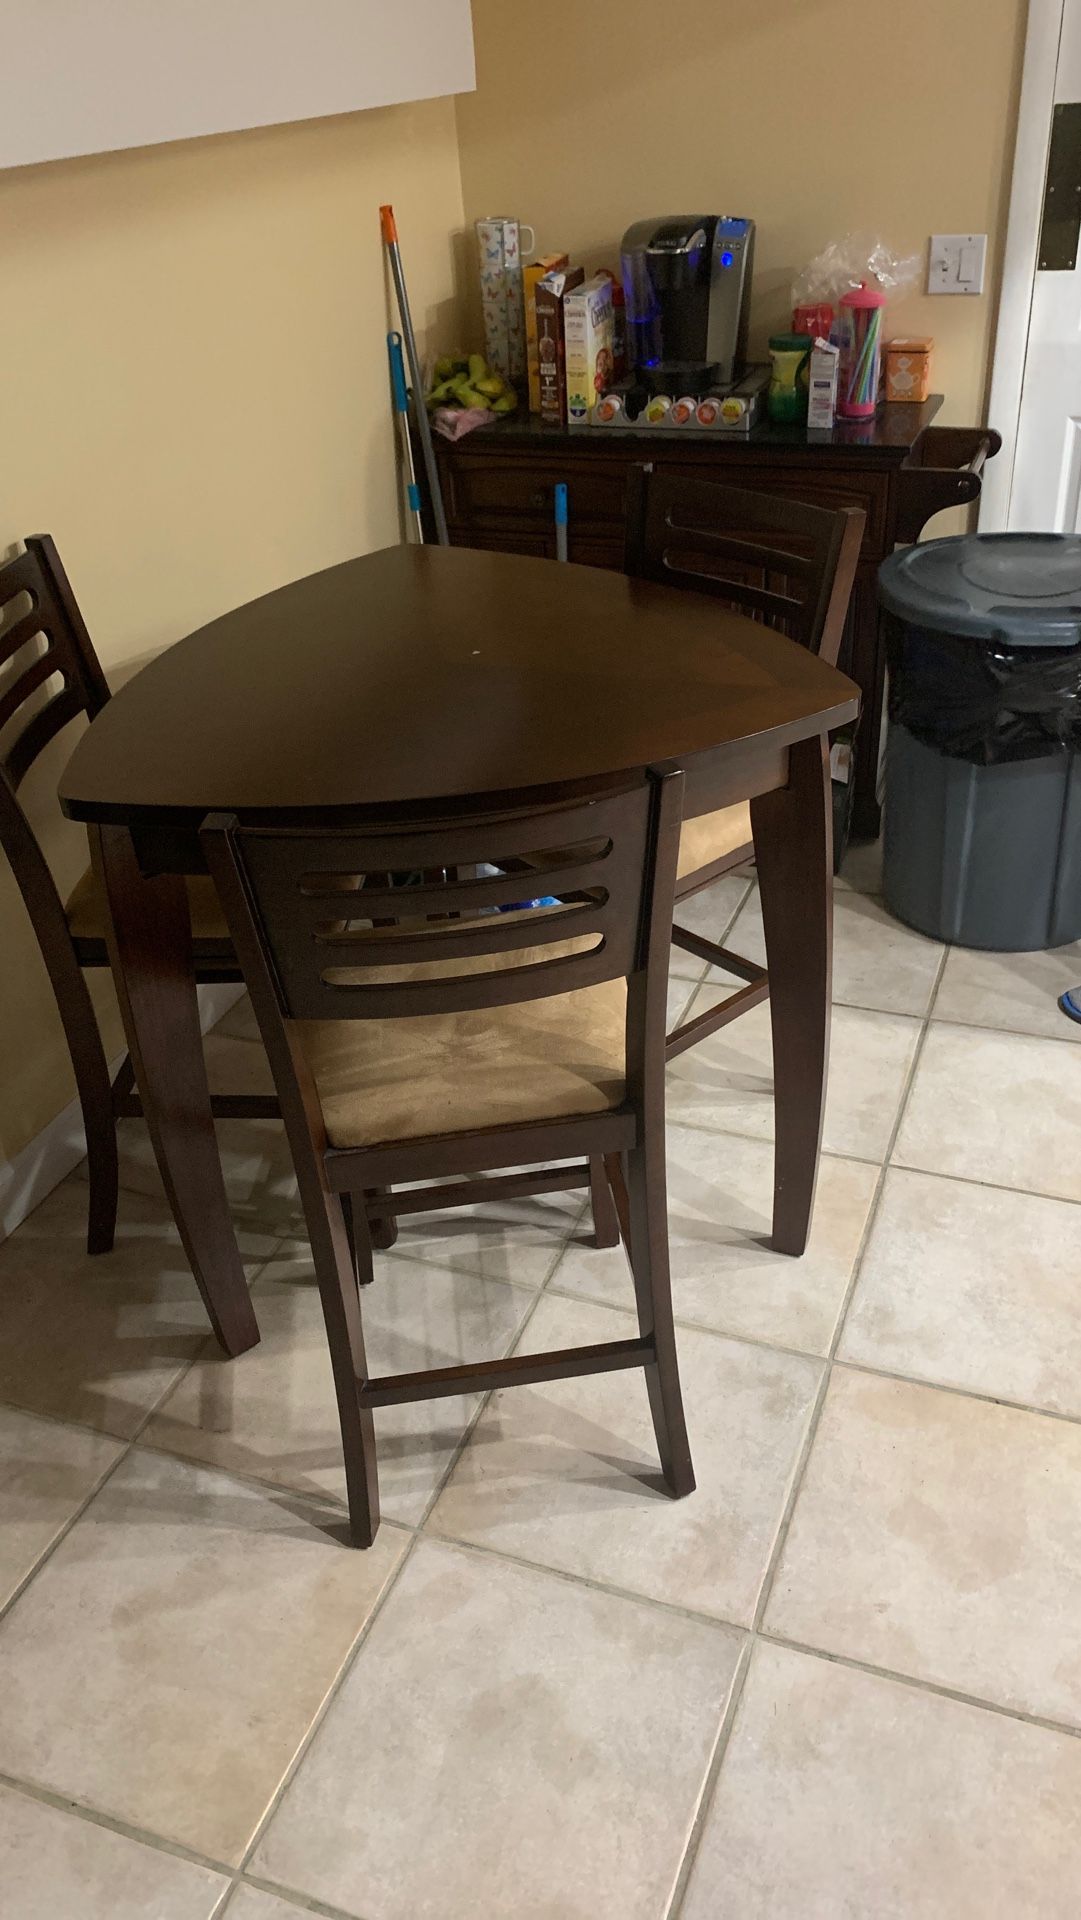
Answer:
(383, 1227)
(102, 1166)
(646, 1212)
(338, 1291)
(605, 1217)
(99, 1120)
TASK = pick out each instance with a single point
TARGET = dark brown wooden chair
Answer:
(40, 641)
(788, 565)
(466, 1041)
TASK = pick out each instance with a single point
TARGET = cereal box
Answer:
(587, 320)
(536, 270)
(549, 299)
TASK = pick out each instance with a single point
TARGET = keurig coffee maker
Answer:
(687, 284)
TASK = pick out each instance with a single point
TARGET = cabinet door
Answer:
(814, 486)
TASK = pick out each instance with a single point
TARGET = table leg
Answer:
(793, 844)
(149, 938)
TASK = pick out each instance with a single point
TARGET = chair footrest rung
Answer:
(703, 1024)
(717, 955)
(525, 1369)
(466, 1193)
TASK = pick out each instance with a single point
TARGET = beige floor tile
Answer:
(99, 1341)
(549, 1747)
(727, 1082)
(877, 962)
(515, 1240)
(251, 1903)
(725, 1275)
(272, 1413)
(940, 1536)
(1018, 992)
(861, 869)
(972, 1287)
(845, 1796)
(567, 1474)
(711, 912)
(46, 1472)
(167, 1660)
(998, 1107)
(55, 1866)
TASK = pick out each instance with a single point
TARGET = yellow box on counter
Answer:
(908, 369)
(587, 321)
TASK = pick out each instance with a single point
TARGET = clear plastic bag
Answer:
(856, 260)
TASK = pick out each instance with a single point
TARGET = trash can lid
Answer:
(1023, 588)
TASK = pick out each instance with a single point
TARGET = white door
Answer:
(1045, 495)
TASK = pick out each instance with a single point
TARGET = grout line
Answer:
(709, 1783)
(918, 1685)
(781, 1539)
(305, 1902)
(114, 1824)
(62, 1533)
(961, 1393)
(336, 1685)
(670, 1607)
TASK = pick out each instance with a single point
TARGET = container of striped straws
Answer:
(858, 333)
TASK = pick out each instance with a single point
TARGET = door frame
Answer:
(1037, 101)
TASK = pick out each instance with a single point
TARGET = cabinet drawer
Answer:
(496, 492)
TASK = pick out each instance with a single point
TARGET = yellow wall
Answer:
(192, 336)
(814, 116)
(192, 344)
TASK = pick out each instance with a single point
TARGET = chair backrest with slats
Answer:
(38, 642)
(786, 564)
(339, 941)
(42, 635)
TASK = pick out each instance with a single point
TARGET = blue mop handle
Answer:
(561, 520)
(401, 405)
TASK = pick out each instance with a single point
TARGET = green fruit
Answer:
(469, 397)
(494, 385)
(444, 368)
(478, 368)
(505, 404)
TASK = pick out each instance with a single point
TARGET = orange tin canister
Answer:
(908, 369)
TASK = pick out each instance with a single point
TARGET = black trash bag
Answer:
(981, 701)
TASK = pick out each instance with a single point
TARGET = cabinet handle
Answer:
(539, 497)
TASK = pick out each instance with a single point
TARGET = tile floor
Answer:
(842, 1680)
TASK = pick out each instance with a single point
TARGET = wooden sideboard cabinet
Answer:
(498, 489)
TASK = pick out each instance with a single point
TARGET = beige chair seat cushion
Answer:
(384, 1080)
(711, 837)
(86, 911)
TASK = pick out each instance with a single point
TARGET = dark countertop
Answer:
(891, 434)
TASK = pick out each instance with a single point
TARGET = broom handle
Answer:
(424, 432)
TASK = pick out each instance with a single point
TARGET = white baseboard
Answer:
(57, 1150)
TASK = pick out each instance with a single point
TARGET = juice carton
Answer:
(536, 270)
(587, 320)
(552, 289)
(822, 376)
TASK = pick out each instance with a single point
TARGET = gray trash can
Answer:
(983, 798)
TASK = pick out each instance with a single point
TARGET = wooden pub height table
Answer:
(498, 492)
(422, 681)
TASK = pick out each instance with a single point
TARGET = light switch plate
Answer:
(956, 263)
